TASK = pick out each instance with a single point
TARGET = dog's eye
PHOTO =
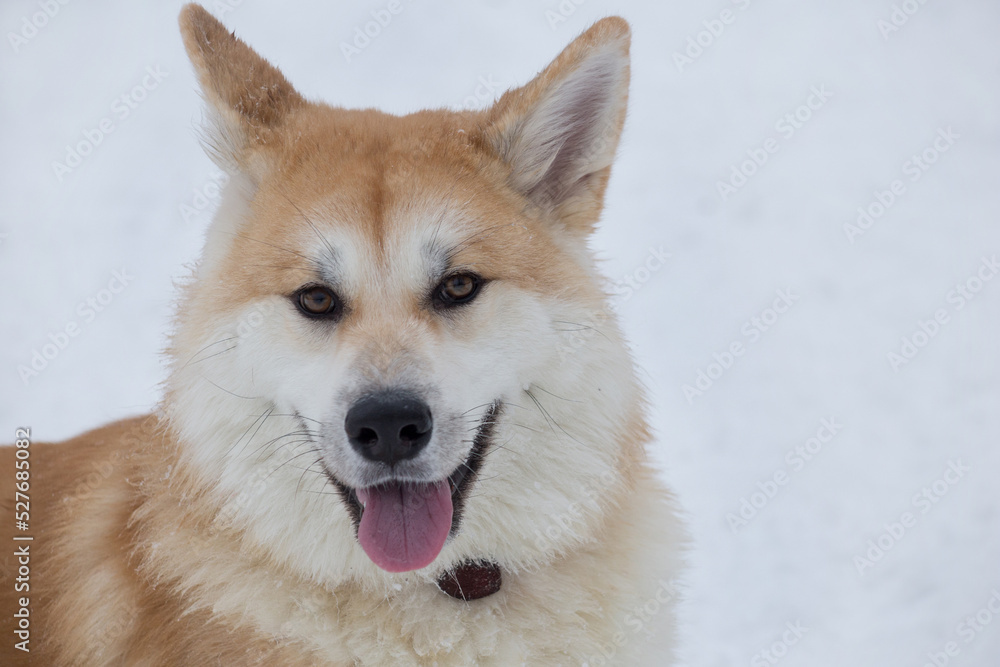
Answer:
(457, 289)
(317, 301)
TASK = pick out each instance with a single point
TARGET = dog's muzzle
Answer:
(403, 525)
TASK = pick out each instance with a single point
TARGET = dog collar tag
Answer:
(471, 580)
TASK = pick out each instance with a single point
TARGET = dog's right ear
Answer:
(249, 99)
(558, 134)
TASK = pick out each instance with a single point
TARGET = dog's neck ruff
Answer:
(471, 580)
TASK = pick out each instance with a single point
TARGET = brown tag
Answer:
(471, 580)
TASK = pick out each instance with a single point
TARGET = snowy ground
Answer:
(778, 237)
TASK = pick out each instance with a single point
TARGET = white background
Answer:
(688, 126)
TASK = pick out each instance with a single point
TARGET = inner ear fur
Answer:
(558, 134)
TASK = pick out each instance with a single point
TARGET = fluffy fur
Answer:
(210, 532)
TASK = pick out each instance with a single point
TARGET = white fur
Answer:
(583, 542)
(538, 496)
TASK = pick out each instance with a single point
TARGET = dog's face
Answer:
(403, 320)
(390, 294)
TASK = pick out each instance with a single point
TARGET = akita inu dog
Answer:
(382, 440)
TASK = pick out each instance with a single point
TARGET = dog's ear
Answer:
(249, 99)
(558, 134)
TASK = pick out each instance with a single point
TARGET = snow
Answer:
(878, 100)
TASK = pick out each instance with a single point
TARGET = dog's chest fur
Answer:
(170, 590)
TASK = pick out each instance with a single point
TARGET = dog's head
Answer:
(381, 345)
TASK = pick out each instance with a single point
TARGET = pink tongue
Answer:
(404, 526)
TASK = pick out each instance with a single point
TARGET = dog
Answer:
(400, 425)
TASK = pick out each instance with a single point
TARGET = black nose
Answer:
(389, 426)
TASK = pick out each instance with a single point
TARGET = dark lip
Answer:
(460, 480)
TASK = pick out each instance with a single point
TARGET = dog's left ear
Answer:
(249, 99)
(558, 134)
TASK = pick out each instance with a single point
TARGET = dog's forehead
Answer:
(393, 210)
(408, 245)
(407, 222)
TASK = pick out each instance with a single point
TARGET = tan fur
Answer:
(135, 560)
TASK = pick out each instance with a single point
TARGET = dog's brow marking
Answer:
(329, 247)
(437, 225)
(281, 266)
(474, 238)
(439, 259)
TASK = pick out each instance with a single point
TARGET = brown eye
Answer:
(458, 289)
(317, 301)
